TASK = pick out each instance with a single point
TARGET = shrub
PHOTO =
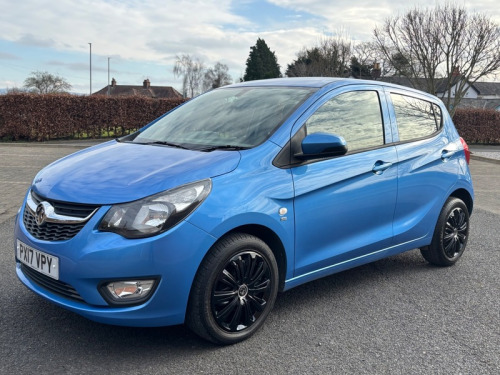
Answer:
(58, 116)
(478, 125)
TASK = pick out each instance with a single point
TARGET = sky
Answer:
(141, 38)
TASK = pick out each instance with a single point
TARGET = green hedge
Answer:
(478, 125)
(32, 117)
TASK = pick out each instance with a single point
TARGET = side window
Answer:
(354, 115)
(416, 118)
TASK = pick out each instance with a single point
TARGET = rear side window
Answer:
(354, 115)
(416, 118)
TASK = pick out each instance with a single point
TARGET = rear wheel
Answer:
(450, 235)
(234, 290)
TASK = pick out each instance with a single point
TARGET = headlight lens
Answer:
(157, 213)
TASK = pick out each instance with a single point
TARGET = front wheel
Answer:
(234, 290)
(450, 235)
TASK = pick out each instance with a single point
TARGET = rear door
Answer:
(428, 164)
(344, 206)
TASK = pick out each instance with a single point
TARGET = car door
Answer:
(428, 164)
(344, 205)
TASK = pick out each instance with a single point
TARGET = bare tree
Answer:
(46, 83)
(191, 70)
(329, 58)
(445, 49)
(369, 54)
(217, 76)
(338, 51)
(366, 53)
(15, 90)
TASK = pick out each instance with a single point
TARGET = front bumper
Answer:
(91, 257)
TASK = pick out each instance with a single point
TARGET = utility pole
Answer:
(90, 44)
(108, 75)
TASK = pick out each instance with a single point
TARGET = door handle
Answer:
(445, 155)
(380, 166)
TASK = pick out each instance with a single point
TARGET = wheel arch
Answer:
(270, 238)
(273, 241)
(466, 197)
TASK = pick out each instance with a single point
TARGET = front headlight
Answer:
(157, 213)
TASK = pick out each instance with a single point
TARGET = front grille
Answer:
(50, 231)
(57, 231)
(52, 285)
(65, 208)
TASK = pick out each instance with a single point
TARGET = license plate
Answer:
(38, 260)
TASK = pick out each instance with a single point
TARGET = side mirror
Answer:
(318, 145)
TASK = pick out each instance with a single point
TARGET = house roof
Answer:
(144, 90)
(488, 88)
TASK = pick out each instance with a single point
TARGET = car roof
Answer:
(314, 82)
(320, 82)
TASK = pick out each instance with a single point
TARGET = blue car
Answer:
(203, 215)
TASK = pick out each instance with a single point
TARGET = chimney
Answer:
(376, 71)
(113, 82)
(456, 72)
(146, 83)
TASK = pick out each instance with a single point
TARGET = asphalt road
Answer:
(395, 316)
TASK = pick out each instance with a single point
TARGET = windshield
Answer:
(230, 118)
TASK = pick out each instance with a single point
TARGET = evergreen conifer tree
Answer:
(261, 63)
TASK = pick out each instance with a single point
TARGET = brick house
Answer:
(165, 92)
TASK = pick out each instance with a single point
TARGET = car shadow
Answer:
(72, 328)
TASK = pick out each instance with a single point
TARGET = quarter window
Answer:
(416, 118)
(354, 115)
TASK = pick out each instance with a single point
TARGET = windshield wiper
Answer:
(223, 147)
(163, 143)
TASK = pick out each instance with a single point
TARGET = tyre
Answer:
(450, 235)
(234, 290)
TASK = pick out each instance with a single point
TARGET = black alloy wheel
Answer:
(455, 233)
(450, 235)
(234, 289)
(241, 291)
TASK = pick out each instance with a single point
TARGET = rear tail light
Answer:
(466, 150)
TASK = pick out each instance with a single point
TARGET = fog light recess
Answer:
(127, 292)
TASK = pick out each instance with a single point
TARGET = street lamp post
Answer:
(90, 44)
(108, 75)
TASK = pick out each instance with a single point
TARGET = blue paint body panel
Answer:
(328, 215)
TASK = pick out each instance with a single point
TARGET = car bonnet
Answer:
(123, 172)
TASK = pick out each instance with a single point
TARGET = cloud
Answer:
(31, 40)
(115, 27)
(136, 33)
(10, 84)
(359, 18)
(150, 30)
(75, 66)
(8, 56)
